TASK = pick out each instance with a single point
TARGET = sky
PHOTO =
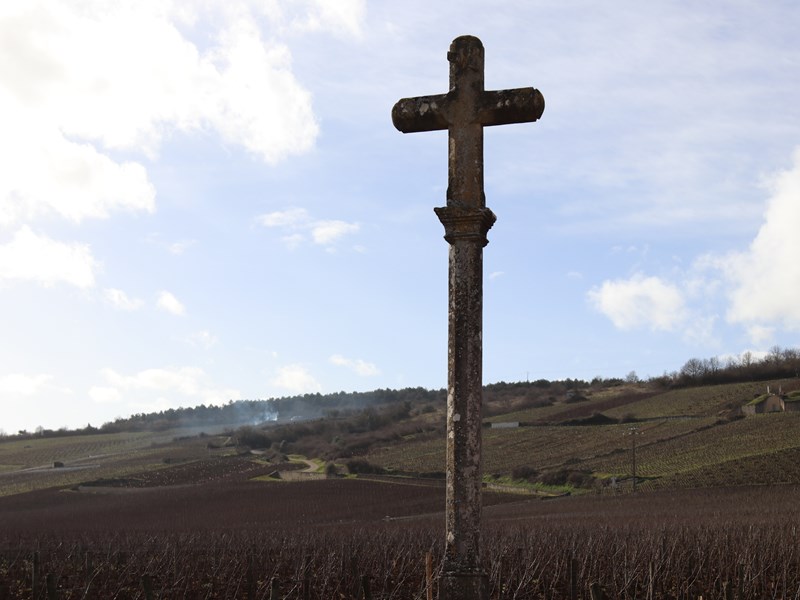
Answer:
(203, 200)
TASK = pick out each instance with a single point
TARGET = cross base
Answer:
(464, 586)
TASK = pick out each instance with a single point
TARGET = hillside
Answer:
(564, 436)
(690, 437)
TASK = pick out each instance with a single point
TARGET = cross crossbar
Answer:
(464, 111)
(501, 107)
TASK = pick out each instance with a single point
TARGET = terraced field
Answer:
(779, 467)
(700, 401)
(30, 453)
(545, 447)
(27, 465)
(560, 409)
(685, 438)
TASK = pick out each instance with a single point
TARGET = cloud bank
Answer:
(764, 279)
(89, 91)
(296, 379)
(161, 387)
(758, 284)
(34, 257)
(357, 365)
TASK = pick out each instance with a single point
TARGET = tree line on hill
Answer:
(341, 405)
(778, 363)
(502, 396)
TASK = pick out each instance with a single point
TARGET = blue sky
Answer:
(204, 201)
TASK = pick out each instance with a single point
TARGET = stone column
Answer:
(465, 231)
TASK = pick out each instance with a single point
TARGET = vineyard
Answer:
(721, 543)
(685, 438)
(28, 465)
(726, 444)
(185, 514)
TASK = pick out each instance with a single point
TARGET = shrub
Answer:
(554, 477)
(580, 479)
(525, 473)
(360, 465)
(568, 477)
(253, 437)
(573, 398)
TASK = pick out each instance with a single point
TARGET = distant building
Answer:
(508, 424)
(791, 403)
(771, 402)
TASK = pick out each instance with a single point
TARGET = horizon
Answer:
(696, 372)
(207, 200)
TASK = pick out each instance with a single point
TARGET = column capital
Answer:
(465, 223)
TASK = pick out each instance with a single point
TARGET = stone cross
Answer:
(464, 111)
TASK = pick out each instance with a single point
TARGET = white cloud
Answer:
(296, 378)
(285, 218)
(294, 240)
(105, 395)
(20, 384)
(32, 257)
(180, 247)
(79, 81)
(47, 174)
(344, 17)
(640, 302)
(327, 232)
(22, 400)
(298, 220)
(177, 247)
(256, 101)
(358, 366)
(762, 336)
(169, 303)
(765, 278)
(121, 300)
(204, 339)
(699, 329)
(746, 357)
(760, 282)
(184, 386)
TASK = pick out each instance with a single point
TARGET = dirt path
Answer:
(311, 468)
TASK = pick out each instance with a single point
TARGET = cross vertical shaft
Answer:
(464, 111)
(465, 231)
(465, 140)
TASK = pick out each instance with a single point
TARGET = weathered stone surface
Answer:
(465, 230)
(464, 111)
(463, 586)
